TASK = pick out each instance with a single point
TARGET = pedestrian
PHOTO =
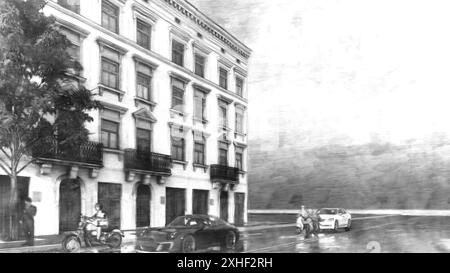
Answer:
(27, 221)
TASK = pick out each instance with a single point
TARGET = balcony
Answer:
(224, 174)
(89, 153)
(148, 163)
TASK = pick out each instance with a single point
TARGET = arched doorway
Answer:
(143, 197)
(69, 204)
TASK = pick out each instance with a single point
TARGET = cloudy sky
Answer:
(344, 71)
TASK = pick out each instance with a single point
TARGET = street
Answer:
(401, 234)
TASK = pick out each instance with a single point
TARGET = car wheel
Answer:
(229, 242)
(349, 225)
(336, 226)
(188, 244)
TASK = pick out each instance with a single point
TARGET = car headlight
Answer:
(330, 219)
(171, 235)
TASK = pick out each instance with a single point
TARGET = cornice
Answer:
(180, 34)
(211, 27)
(199, 47)
(139, 59)
(239, 144)
(240, 71)
(201, 88)
(144, 11)
(179, 77)
(110, 106)
(224, 99)
(63, 23)
(104, 42)
(150, 53)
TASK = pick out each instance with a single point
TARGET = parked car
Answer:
(189, 233)
(334, 219)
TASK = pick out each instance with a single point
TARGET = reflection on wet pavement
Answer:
(374, 235)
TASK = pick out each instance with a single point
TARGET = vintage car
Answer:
(189, 233)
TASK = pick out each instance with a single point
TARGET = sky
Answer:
(343, 71)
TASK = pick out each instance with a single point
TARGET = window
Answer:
(74, 49)
(239, 86)
(143, 34)
(223, 154)
(110, 124)
(199, 149)
(110, 16)
(177, 53)
(200, 65)
(223, 119)
(143, 81)
(239, 158)
(239, 120)
(143, 135)
(199, 105)
(177, 94)
(223, 78)
(110, 73)
(178, 148)
(73, 5)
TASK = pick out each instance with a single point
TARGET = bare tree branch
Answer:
(6, 154)
(5, 168)
(26, 165)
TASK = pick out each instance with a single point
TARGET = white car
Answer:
(334, 218)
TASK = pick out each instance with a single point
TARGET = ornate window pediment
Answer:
(145, 115)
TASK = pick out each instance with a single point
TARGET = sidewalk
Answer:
(53, 242)
(47, 243)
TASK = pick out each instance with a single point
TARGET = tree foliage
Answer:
(39, 95)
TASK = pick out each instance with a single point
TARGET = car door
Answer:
(205, 233)
(341, 218)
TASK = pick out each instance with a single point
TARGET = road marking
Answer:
(372, 217)
(254, 234)
(281, 245)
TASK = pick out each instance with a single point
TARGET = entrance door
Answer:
(143, 206)
(7, 223)
(200, 202)
(109, 196)
(239, 201)
(69, 204)
(224, 205)
(175, 203)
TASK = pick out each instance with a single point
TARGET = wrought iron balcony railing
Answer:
(147, 161)
(224, 173)
(89, 152)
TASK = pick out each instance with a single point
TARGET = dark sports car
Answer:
(189, 233)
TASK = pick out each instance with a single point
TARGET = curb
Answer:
(361, 211)
(50, 247)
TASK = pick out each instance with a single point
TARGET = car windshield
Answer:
(185, 221)
(328, 211)
(217, 221)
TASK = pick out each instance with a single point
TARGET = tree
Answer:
(39, 96)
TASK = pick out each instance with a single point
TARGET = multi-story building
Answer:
(171, 138)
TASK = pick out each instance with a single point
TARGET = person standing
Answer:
(27, 221)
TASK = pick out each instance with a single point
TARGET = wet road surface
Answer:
(369, 234)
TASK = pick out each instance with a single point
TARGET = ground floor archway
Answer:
(69, 204)
(143, 209)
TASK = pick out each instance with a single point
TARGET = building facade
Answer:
(171, 137)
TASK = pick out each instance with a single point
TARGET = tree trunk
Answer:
(13, 209)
